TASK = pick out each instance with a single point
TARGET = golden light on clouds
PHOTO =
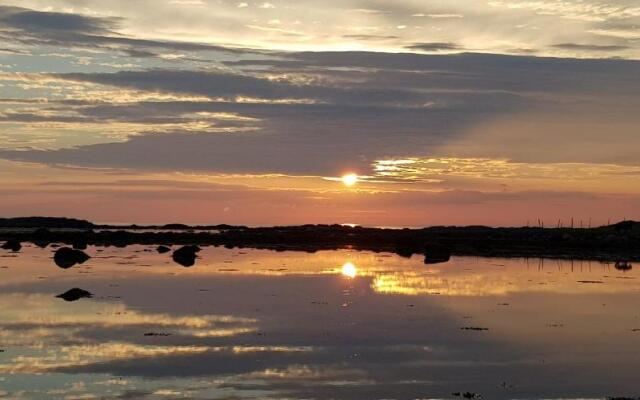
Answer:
(593, 177)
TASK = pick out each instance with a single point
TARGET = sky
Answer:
(492, 112)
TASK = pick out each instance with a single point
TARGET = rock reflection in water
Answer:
(75, 294)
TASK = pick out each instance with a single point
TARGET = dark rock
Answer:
(12, 245)
(163, 249)
(467, 395)
(435, 254)
(41, 237)
(79, 245)
(436, 259)
(623, 266)
(41, 243)
(75, 294)
(66, 257)
(405, 251)
(625, 226)
(42, 232)
(473, 328)
(186, 255)
(176, 226)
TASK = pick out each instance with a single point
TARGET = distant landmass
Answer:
(45, 222)
(74, 223)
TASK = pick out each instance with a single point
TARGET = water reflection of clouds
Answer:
(273, 327)
(51, 323)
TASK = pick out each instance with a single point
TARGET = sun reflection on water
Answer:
(349, 270)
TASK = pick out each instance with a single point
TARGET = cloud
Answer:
(323, 112)
(54, 22)
(306, 24)
(45, 28)
(591, 11)
(589, 47)
(434, 46)
(370, 37)
(470, 71)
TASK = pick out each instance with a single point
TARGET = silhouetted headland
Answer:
(45, 222)
(618, 242)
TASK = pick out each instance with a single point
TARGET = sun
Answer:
(350, 179)
(349, 270)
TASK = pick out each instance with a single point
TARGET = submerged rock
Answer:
(163, 249)
(12, 245)
(75, 294)
(66, 257)
(186, 255)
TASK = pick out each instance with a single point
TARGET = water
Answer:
(329, 325)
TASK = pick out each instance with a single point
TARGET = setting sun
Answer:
(350, 179)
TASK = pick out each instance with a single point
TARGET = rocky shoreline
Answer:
(618, 242)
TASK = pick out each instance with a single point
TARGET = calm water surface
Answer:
(329, 325)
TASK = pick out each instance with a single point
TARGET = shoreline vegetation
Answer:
(618, 242)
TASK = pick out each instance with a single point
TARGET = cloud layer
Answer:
(101, 87)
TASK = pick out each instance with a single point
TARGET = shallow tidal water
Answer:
(329, 325)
